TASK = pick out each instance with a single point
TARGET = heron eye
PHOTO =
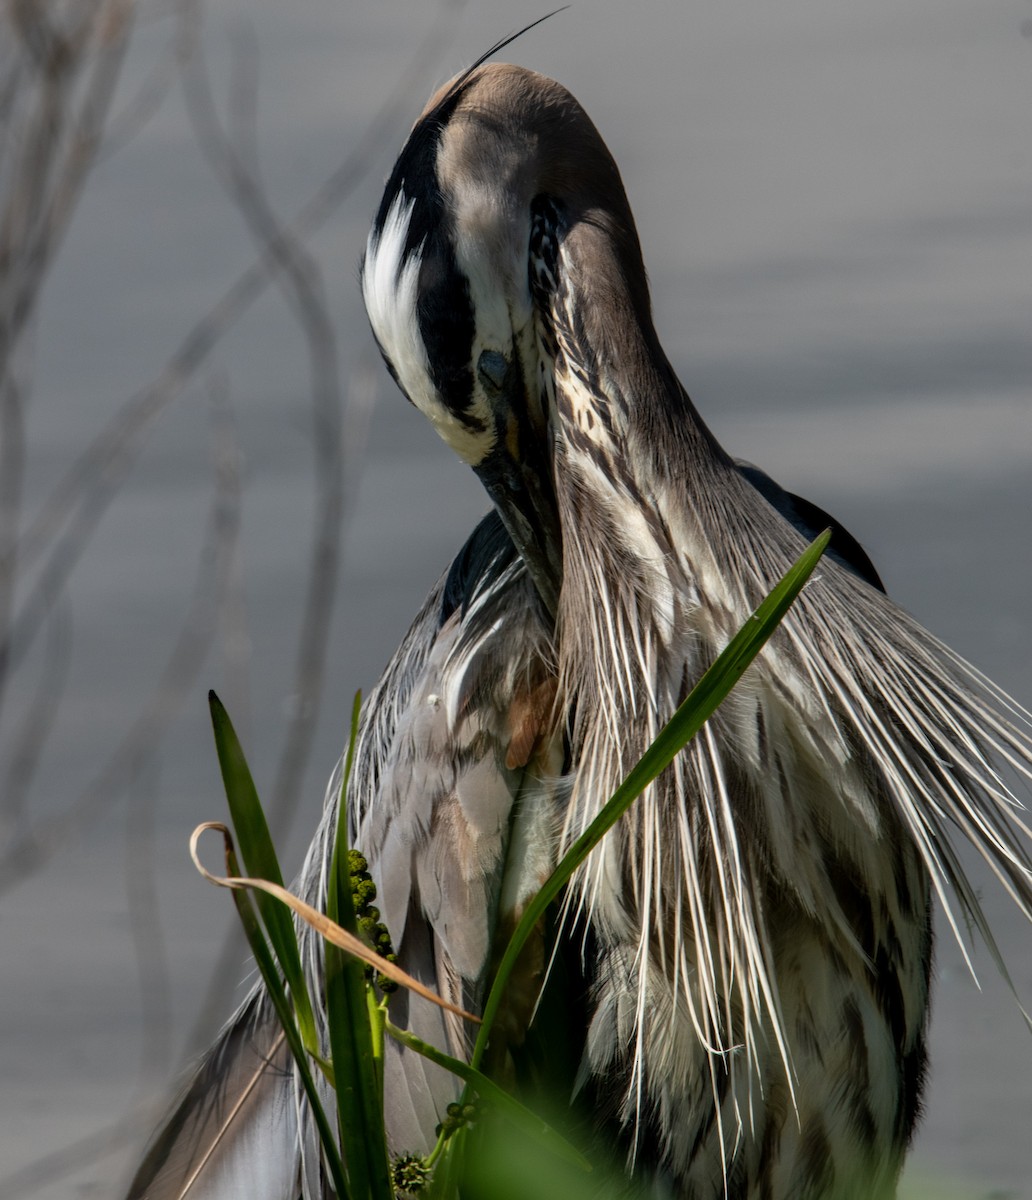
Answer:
(492, 368)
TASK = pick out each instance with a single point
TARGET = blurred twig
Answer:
(12, 472)
(145, 926)
(124, 125)
(34, 728)
(39, 842)
(73, 71)
(63, 524)
(300, 280)
(60, 64)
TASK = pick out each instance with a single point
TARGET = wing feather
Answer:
(430, 804)
(234, 1133)
(437, 833)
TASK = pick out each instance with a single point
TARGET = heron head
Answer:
(460, 272)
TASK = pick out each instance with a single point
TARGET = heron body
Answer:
(750, 946)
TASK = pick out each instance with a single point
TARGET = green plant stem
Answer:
(353, 1035)
(487, 1089)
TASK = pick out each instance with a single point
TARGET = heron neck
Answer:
(623, 421)
(638, 480)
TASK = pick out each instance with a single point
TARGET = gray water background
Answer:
(835, 205)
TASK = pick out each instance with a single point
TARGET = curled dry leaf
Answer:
(318, 921)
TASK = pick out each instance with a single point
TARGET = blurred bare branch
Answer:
(72, 72)
(300, 279)
(35, 726)
(93, 478)
(124, 125)
(35, 845)
(64, 524)
(242, 105)
(60, 65)
(12, 472)
(145, 926)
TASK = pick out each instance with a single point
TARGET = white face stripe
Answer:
(390, 289)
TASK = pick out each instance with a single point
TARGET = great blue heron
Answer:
(754, 937)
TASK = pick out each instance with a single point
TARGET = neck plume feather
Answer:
(854, 731)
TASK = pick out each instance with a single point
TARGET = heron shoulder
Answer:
(810, 520)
